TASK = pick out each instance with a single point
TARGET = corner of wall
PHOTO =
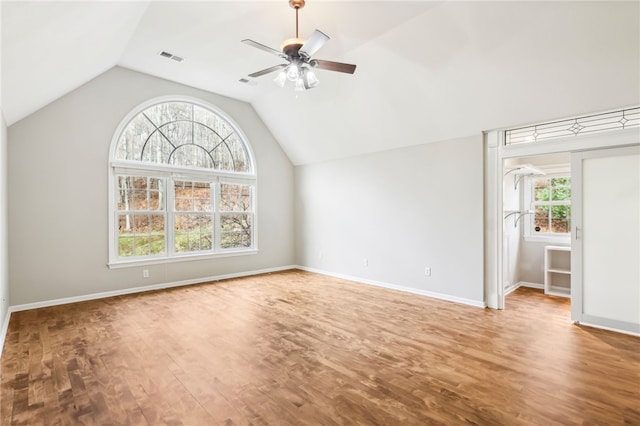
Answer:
(4, 275)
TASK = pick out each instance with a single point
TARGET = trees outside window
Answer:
(183, 184)
(552, 201)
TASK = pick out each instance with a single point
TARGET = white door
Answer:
(605, 280)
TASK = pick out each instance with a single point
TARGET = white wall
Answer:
(402, 210)
(58, 157)
(511, 201)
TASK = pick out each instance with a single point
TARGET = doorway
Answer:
(498, 154)
(536, 228)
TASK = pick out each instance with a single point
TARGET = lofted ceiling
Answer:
(427, 70)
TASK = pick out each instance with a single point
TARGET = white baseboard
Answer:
(531, 285)
(102, 295)
(519, 284)
(510, 288)
(431, 294)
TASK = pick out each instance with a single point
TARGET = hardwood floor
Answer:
(295, 348)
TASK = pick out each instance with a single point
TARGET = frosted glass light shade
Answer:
(292, 72)
(310, 79)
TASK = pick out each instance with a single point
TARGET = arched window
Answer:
(182, 184)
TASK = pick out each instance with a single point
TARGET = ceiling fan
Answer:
(297, 52)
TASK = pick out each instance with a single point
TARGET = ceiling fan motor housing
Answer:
(291, 46)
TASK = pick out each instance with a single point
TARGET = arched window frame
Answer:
(169, 174)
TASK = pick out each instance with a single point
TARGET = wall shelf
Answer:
(557, 271)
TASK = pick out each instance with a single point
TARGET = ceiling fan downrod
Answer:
(297, 5)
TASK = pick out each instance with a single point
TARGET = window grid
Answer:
(551, 201)
(140, 216)
(168, 201)
(596, 123)
(193, 216)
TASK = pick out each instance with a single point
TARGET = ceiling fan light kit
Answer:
(297, 52)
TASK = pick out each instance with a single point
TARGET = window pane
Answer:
(140, 234)
(125, 246)
(141, 224)
(235, 198)
(178, 132)
(193, 196)
(561, 189)
(222, 158)
(194, 232)
(541, 219)
(541, 189)
(238, 153)
(191, 156)
(133, 138)
(157, 149)
(561, 219)
(139, 193)
(169, 111)
(206, 137)
(236, 230)
(141, 245)
(183, 134)
(157, 244)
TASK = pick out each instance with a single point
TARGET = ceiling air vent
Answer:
(171, 56)
(249, 82)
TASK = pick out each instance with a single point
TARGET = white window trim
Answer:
(169, 172)
(547, 237)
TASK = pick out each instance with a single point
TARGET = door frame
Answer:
(495, 152)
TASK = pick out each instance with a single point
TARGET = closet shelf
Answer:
(522, 171)
(520, 213)
(559, 271)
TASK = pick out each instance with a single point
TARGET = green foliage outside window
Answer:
(552, 202)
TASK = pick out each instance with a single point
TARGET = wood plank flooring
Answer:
(295, 348)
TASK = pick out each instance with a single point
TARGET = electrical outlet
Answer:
(365, 262)
(145, 273)
(427, 271)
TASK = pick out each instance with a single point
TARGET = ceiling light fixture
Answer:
(298, 72)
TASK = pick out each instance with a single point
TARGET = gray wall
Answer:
(4, 274)
(402, 210)
(531, 260)
(58, 205)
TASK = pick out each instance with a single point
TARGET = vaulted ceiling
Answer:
(427, 70)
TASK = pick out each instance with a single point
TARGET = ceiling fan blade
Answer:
(263, 47)
(313, 44)
(268, 70)
(333, 66)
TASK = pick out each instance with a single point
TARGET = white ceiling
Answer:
(427, 70)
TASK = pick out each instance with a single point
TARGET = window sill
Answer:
(117, 264)
(552, 239)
